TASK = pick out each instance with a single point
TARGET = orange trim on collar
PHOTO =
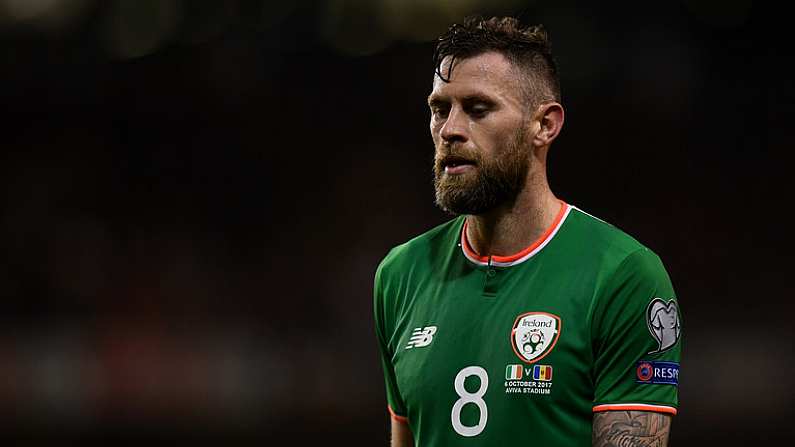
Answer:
(485, 259)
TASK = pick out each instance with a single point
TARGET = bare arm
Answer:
(401, 434)
(631, 429)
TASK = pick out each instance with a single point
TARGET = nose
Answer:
(454, 128)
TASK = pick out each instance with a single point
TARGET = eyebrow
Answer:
(478, 98)
(434, 100)
(474, 97)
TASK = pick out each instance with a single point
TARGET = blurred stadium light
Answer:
(362, 27)
(50, 15)
(135, 28)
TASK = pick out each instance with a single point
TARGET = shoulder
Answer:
(606, 245)
(613, 253)
(603, 237)
(420, 249)
(623, 264)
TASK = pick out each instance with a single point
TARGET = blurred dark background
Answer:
(195, 195)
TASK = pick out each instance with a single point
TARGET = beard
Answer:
(495, 181)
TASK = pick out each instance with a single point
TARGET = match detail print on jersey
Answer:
(534, 334)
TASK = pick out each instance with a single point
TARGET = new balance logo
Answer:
(421, 337)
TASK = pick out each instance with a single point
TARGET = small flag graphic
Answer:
(513, 372)
(542, 372)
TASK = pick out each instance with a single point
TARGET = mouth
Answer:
(454, 164)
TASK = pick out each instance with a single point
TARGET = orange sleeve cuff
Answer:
(635, 407)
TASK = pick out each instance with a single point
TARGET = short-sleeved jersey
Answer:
(524, 349)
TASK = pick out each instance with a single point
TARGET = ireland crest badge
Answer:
(534, 334)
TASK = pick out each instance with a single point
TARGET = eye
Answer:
(440, 111)
(478, 110)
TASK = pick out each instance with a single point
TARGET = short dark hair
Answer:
(528, 48)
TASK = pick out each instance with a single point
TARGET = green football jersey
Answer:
(523, 349)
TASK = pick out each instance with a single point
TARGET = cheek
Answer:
(498, 136)
(488, 141)
(436, 135)
(435, 125)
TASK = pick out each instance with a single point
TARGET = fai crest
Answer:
(534, 334)
(663, 321)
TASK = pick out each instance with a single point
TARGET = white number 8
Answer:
(470, 398)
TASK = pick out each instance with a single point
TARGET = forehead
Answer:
(485, 74)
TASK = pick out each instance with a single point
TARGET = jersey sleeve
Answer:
(636, 333)
(386, 353)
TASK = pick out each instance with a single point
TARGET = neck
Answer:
(509, 228)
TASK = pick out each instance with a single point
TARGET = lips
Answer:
(454, 164)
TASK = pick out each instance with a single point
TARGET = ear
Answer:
(549, 116)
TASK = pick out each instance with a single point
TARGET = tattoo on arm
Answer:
(631, 429)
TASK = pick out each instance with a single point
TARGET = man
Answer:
(523, 321)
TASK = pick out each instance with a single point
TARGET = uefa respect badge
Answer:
(657, 373)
